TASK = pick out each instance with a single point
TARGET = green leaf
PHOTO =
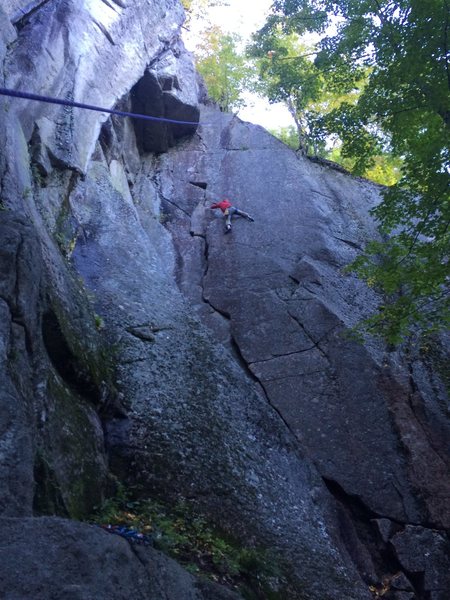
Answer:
(385, 65)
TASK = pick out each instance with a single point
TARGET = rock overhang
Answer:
(107, 38)
(157, 96)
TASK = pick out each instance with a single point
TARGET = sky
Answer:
(245, 17)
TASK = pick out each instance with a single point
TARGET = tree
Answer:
(288, 135)
(385, 170)
(224, 69)
(288, 75)
(402, 46)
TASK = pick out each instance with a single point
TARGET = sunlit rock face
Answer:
(139, 342)
(96, 52)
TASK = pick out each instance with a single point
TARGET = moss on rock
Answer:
(71, 468)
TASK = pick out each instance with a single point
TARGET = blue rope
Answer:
(120, 113)
(130, 534)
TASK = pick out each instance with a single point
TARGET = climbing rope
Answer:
(130, 534)
(120, 113)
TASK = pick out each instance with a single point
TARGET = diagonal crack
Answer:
(176, 205)
(316, 344)
(19, 18)
(201, 184)
(284, 376)
(322, 194)
(105, 32)
(113, 7)
(282, 355)
(166, 48)
(246, 367)
(234, 344)
(348, 242)
(276, 409)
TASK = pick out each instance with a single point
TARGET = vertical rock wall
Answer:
(372, 420)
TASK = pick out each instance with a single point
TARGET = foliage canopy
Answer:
(224, 69)
(401, 51)
(288, 75)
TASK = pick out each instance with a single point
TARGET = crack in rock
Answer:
(348, 242)
(201, 184)
(284, 376)
(309, 336)
(105, 32)
(117, 2)
(146, 332)
(322, 194)
(172, 203)
(18, 19)
(282, 355)
(276, 409)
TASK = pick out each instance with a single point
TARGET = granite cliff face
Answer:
(139, 343)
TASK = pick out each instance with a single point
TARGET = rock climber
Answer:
(229, 210)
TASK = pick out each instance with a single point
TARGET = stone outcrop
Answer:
(137, 342)
(79, 562)
(51, 387)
